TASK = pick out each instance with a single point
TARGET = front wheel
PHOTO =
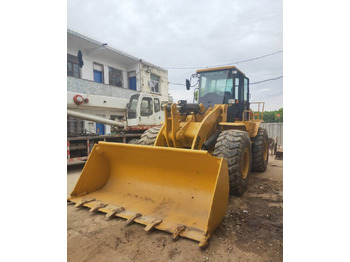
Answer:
(234, 147)
(149, 136)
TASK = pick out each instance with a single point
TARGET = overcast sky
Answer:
(189, 33)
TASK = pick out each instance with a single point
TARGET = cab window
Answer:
(156, 105)
(132, 106)
(245, 92)
(146, 106)
(236, 88)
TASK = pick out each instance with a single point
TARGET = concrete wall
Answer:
(146, 71)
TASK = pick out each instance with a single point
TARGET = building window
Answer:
(115, 77)
(132, 80)
(156, 105)
(73, 68)
(154, 83)
(98, 73)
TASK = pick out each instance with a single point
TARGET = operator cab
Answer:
(224, 85)
(145, 110)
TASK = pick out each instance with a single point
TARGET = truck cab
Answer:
(145, 110)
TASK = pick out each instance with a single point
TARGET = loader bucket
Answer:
(181, 191)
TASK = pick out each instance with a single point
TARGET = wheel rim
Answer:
(265, 150)
(245, 163)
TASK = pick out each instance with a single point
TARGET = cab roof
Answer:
(218, 69)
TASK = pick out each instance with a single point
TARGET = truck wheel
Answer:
(149, 136)
(234, 147)
(134, 141)
(260, 151)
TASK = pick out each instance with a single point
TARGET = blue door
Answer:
(132, 83)
(100, 129)
(97, 76)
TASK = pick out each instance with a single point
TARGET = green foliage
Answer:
(273, 116)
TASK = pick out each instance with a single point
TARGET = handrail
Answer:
(251, 113)
(256, 115)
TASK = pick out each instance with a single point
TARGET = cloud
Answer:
(189, 33)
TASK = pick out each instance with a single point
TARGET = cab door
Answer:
(133, 110)
(241, 94)
(146, 116)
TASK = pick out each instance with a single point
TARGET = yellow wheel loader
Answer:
(179, 177)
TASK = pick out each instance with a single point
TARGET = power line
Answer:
(266, 80)
(268, 96)
(238, 62)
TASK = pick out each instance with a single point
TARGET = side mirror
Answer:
(188, 84)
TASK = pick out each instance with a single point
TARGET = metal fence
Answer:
(274, 130)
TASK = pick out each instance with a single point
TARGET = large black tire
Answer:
(260, 151)
(234, 147)
(149, 136)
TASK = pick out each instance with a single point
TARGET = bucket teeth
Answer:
(177, 232)
(83, 201)
(153, 224)
(97, 207)
(204, 241)
(130, 220)
(114, 212)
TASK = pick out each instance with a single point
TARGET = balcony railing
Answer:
(84, 86)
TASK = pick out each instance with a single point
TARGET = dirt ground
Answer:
(252, 229)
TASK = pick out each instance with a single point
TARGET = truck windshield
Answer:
(132, 106)
(217, 82)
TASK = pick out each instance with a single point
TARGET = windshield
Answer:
(217, 82)
(132, 106)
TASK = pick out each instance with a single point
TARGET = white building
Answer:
(96, 69)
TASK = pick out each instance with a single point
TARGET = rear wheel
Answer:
(260, 151)
(149, 136)
(234, 147)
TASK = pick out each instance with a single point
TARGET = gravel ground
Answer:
(252, 229)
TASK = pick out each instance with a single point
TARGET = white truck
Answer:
(93, 118)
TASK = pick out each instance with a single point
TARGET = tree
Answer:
(274, 116)
(279, 115)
